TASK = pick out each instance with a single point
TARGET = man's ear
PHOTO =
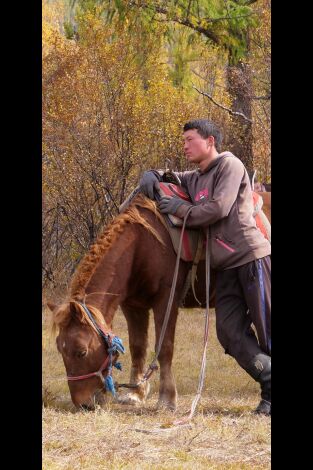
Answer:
(52, 306)
(210, 140)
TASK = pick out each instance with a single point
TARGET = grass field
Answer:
(223, 434)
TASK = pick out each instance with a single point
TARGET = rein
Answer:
(153, 365)
(188, 418)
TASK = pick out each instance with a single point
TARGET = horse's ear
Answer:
(52, 306)
(75, 310)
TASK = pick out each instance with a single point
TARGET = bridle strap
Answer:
(100, 331)
(91, 374)
(153, 365)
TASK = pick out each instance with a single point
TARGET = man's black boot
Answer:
(260, 370)
(264, 408)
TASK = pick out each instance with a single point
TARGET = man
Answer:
(222, 204)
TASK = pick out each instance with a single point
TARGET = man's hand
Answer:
(149, 183)
(169, 205)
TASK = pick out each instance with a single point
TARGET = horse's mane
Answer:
(104, 242)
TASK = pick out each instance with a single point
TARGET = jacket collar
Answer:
(215, 161)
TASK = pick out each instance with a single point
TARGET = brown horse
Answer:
(131, 265)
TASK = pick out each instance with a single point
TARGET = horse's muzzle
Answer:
(99, 398)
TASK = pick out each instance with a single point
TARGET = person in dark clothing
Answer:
(222, 204)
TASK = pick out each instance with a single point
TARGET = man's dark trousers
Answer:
(243, 297)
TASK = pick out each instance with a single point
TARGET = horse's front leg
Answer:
(167, 391)
(137, 322)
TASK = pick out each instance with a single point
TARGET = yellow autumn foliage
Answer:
(110, 111)
(106, 118)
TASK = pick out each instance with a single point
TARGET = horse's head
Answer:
(83, 350)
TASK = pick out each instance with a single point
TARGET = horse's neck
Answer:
(107, 287)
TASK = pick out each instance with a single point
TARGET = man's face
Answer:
(196, 147)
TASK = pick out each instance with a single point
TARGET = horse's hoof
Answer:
(166, 405)
(146, 390)
(129, 399)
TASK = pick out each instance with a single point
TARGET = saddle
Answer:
(193, 245)
(193, 239)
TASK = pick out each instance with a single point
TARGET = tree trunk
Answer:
(240, 139)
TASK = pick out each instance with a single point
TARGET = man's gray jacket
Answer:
(223, 204)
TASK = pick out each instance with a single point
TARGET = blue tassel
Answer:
(117, 345)
(109, 385)
(118, 365)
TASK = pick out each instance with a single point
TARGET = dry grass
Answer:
(224, 434)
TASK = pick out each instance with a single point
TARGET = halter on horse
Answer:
(114, 347)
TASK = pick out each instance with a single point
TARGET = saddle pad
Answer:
(170, 189)
(261, 220)
(189, 243)
(191, 236)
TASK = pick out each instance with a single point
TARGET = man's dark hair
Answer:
(205, 128)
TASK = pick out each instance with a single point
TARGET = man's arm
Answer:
(225, 194)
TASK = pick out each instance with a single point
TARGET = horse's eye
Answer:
(82, 353)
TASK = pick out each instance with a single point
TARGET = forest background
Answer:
(120, 79)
